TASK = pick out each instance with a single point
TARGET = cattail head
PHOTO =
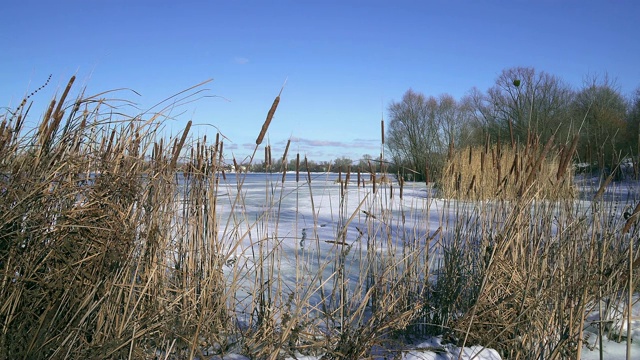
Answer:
(265, 125)
(267, 121)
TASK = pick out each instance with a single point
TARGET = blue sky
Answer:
(344, 61)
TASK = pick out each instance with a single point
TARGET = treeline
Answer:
(521, 105)
(367, 163)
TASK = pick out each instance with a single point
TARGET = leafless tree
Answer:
(601, 110)
(531, 101)
(421, 129)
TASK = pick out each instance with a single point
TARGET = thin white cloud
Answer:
(241, 60)
(359, 143)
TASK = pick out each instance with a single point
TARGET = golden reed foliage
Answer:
(495, 172)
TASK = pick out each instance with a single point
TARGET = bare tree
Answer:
(633, 124)
(522, 101)
(342, 163)
(601, 110)
(420, 131)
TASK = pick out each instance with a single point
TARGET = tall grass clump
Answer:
(508, 172)
(522, 269)
(107, 248)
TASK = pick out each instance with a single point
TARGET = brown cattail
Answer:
(177, 150)
(348, 175)
(297, 167)
(286, 151)
(267, 121)
(270, 114)
(57, 114)
(285, 164)
(306, 165)
(47, 115)
(473, 181)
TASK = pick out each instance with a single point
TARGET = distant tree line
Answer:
(367, 163)
(522, 103)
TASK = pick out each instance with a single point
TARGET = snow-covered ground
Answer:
(615, 334)
(312, 212)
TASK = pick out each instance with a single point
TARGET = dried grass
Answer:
(495, 172)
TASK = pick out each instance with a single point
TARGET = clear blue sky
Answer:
(345, 61)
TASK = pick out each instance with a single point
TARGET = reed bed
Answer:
(509, 172)
(117, 242)
(525, 262)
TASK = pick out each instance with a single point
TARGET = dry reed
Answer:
(512, 173)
